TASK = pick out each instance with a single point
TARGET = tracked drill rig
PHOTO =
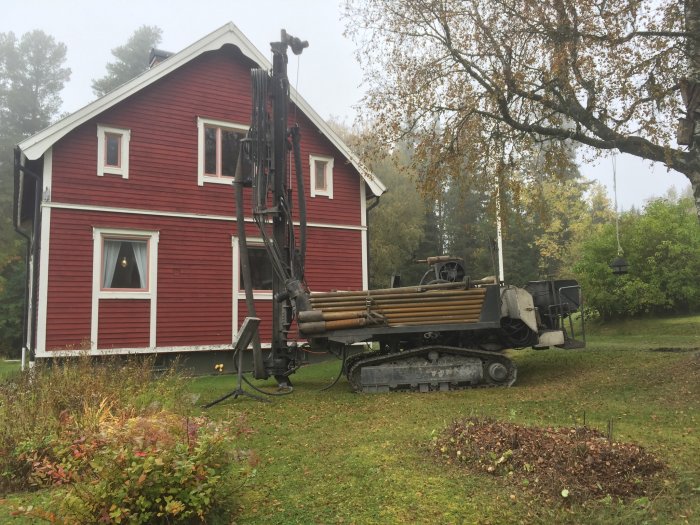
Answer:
(447, 332)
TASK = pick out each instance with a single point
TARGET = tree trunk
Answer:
(695, 184)
(692, 26)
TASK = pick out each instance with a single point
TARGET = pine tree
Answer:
(32, 75)
(131, 59)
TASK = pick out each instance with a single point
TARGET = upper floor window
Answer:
(321, 176)
(113, 151)
(219, 147)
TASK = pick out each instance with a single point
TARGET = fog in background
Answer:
(326, 74)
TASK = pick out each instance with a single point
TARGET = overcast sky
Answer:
(326, 74)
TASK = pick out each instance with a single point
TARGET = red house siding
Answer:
(263, 309)
(124, 323)
(69, 291)
(195, 274)
(195, 279)
(344, 207)
(195, 260)
(163, 148)
(334, 259)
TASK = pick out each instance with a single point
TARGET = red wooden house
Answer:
(130, 212)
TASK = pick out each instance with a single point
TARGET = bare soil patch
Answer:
(577, 463)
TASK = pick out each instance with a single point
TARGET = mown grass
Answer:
(8, 368)
(339, 457)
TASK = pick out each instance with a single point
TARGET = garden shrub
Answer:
(40, 407)
(161, 468)
(123, 445)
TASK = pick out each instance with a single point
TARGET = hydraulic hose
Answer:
(301, 199)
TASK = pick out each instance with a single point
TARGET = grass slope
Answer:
(338, 457)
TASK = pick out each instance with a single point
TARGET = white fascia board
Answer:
(372, 180)
(35, 146)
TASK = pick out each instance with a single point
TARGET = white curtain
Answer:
(141, 254)
(109, 261)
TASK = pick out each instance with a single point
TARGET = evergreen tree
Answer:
(31, 79)
(32, 75)
(131, 59)
(470, 229)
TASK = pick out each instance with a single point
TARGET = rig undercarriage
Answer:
(443, 336)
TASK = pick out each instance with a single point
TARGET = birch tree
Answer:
(502, 76)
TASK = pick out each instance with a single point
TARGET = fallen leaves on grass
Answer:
(570, 463)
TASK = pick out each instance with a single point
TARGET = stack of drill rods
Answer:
(394, 291)
(398, 307)
(378, 302)
(342, 312)
(394, 306)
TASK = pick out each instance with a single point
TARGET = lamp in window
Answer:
(124, 263)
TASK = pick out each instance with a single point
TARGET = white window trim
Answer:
(123, 168)
(328, 191)
(98, 236)
(201, 123)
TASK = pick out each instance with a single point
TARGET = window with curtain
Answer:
(125, 264)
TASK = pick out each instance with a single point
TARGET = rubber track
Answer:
(354, 364)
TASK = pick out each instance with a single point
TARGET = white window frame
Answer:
(151, 293)
(99, 236)
(328, 190)
(102, 167)
(202, 177)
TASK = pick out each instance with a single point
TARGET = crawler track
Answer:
(429, 368)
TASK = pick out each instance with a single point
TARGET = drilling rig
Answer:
(445, 333)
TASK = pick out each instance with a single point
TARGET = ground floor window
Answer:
(125, 262)
(260, 268)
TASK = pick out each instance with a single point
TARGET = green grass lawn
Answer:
(8, 367)
(339, 457)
